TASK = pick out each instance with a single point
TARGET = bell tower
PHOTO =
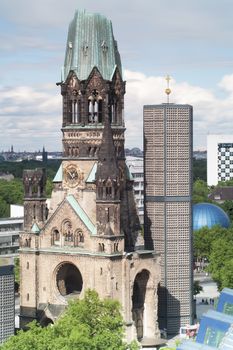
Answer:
(88, 239)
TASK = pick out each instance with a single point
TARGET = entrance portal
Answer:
(69, 280)
(138, 299)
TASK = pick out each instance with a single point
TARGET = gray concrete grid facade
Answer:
(7, 302)
(168, 207)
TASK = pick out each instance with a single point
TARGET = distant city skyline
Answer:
(192, 41)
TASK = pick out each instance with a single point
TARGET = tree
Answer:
(227, 206)
(4, 208)
(199, 169)
(227, 275)
(204, 238)
(87, 324)
(200, 192)
(11, 192)
(220, 260)
(197, 288)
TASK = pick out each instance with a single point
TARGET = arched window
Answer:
(115, 247)
(81, 237)
(27, 242)
(74, 111)
(95, 108)
(101, 247)
(55, 237)
(67, 232)
(108, 185)
(78, 238)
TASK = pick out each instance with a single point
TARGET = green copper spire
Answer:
(91, 44)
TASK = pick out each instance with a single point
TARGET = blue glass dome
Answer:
(206, 214)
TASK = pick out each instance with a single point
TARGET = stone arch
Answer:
(139, 299)
(69, 280)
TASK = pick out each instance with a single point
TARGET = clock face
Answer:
(71, 175)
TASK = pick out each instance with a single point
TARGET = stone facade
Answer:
(86, 239)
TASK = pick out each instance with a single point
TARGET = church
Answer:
(86, 237)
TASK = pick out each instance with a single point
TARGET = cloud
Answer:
(13, 43)
(212, 113)
(31, 116)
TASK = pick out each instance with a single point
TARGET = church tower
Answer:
(87, 236)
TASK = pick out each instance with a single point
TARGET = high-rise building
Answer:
(219, 158)
(135, 166)
(86, 238)
(168, 207)
(7, 300)
(9, 231)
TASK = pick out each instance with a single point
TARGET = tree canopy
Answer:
(199, 169)
(221, 262)
(216, 244)
(87, 324)
(200, 192)
(11, 192)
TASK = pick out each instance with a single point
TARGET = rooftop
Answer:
(90, 44)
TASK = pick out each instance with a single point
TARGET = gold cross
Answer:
(168, 90)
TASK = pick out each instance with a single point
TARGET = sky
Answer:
(192, 41)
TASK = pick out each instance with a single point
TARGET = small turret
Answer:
(35, 210)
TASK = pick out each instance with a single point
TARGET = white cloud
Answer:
(31, 116)
(212, 113)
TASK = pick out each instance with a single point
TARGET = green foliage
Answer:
(199, 169)
(11, 192)
(200, 192)
(16, 168)
(88, 324)
(4, 208)
(227, 274)
(49, 187)
(203, 239)
(197, 288)
(220, 260)
(216, 244)
(225, 183)
(227, 206)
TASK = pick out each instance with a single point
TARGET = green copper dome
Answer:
(91, 44)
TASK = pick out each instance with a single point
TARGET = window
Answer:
(213, 337)
(115, 247)
(81, 237)
(95, 107)
(101, 247)
(67, 232)
(55, 237)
